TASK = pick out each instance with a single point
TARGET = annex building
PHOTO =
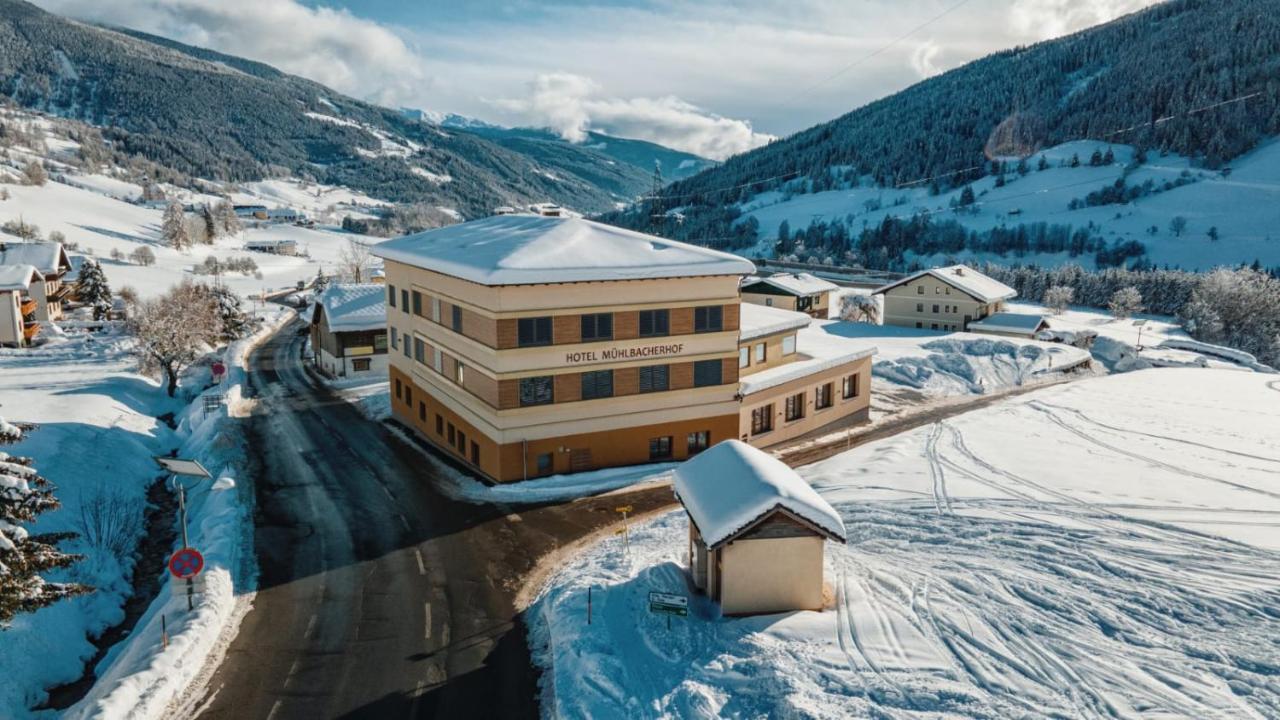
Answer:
(528, 345)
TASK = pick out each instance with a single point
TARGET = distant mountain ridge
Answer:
(1196, 77)
(213, 115)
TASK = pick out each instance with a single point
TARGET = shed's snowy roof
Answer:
(756, 321)
(48, 258)
(968, 280)
(17, 277)
(731, 485)
(354, 307)
(531, 249)
(794, 283)
(1010, 322)
(818, 351)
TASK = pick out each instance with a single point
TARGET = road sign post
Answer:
(179, 467)
(185, 565)
(668, 604)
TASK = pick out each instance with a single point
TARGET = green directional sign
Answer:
(668, 604)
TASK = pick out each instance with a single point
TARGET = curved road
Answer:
(378, 596)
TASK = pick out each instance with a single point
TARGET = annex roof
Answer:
(533, 249)
(730, 486)
(817, 351)
(966, 279)
(49, 258)
(1011, 322)
(353, 307)
(799, 284)
(17, 277)
(757, 321)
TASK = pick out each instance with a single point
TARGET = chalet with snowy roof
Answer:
(275, 246)
(18, 323)
(801, 292)
(1011, 324)
(349, 331)
(527, 345)
(948, 298)
(51, 260)
(757, 531)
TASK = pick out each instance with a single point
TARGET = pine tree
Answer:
(1075, 160)
(210, 223)
(966, 196)
(92, 289)
(174, 227)
(1043, 164)
(24, 495)
(234, 321)
(321, 283)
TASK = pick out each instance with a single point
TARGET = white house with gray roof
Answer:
(947, 298)
(51, 260)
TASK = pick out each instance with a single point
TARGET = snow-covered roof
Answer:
(531, 249)
(17, 277)
(757, 321)
(966, 279)
(730, 486)
(48, 258)
(354, 307)
(1010, 322)
(818, 351)
(800, 284)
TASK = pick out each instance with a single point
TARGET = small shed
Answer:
(757, 530)
(1011, 324)
(801, 292)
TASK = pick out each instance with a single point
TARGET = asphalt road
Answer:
(378, 596)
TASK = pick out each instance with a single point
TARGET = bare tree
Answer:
(1058, 297)
(34, 173)
(856, 307)
(1125, 302)
(1178, 225)
(174, 329)
(174, 227)
(143, 256)
(353, 262)
(108, 521)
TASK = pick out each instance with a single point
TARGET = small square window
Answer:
(919, 289)
(453, 434)
(597, 384)
(439, 424)
(744, 357)
(422, 411)
(457, 319)
(361, 364)
(654, 378)
(850, 387)
(417, 303)
(789, 345)
(475, 453)
(404, 300)
(660, 448)
(536, 390)
(760, 352)
(795, 407)
(597, 326)
(708, 318)
(391, 295)
(707, 372)
(655, 323)
(698, 441)
(531, 332)
(822, 397)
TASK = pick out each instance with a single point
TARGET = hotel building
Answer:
(528, 345)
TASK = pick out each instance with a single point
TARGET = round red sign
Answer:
(219, 369)
(186, 563)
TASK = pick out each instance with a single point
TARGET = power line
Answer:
(1167, 118)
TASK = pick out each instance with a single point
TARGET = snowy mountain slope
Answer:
(1116, 561)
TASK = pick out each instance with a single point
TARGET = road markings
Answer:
(426, 611)
(417, 695)
(404, 521)
(422, 567)
(293, 670)
(386, 492)
(274, 709)
(311, 625)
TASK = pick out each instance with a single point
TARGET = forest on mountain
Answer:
(1196, 77)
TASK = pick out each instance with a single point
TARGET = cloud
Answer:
(925, 57)
(573, 104)
(331, 46)
(1046, 19)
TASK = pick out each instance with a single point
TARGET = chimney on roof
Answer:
(959, 271)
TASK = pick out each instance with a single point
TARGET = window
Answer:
(597, 327)
(435, 309)
(536, 390)
(948, 289)
(417, 303)
(408, 347)
(397, 388)
(395, 338)
(420, 351)
(920, 289)
(935, 309)
(457, 319)
(438, 361)
(654, 323)
(789, 345)
(795, 407)
(850, 387)
(597, 384)
(380, 342)
(708, 318)
(422, 411)
(919, 307)
(459, 373)
(768, 302)
(545, 463)
(475, 453)
(391, 295)
(744, 357)
(822, 397)
(533, 331)
(453, 434)
(439, 424)
(404, 300)
(360, 364)
(654, 378)
(760, 352)
(462, 441)
(762, 419)
(933, 326)
(408, 396)
(660, 448)
(698, 441)
(919, 324)
(937, 290)
(707, 372)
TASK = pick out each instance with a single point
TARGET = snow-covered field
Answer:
(1243, 205)
(1106, 548)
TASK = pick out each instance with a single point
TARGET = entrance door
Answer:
(579, 460)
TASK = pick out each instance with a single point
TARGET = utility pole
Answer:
(655, 196)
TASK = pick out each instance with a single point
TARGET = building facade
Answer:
(349, 332)
(18, 323)
(801, 292)
(945, 299)
(51, 260)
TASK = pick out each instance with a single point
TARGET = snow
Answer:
(1023, 323)
(795, 283)
(820, 346)
(757, 321)
(966, 279)
(529, 249)
(1105, 548)
(730, 486)
(354, 307)
(437, 178)
(17, 277)
(46, 257)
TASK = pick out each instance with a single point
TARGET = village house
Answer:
(757, 531)
(51, 260)
(1011, 324)
(18, 323)
(349, 331)
(946, 298)
(275, 246)
(526, 345)
(802, 292)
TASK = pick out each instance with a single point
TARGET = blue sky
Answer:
(713, 76)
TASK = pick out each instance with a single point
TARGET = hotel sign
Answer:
(624, 353)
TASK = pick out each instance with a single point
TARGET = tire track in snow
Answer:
(940, 499)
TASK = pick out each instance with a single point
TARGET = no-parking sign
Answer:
(186, 563)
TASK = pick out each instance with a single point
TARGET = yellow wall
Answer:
(771, 575)
(813, 418)
(900, 305)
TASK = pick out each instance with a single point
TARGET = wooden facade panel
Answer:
(626, 381)
(626, 325)
(508, 333)
(568, 387)
(732, 315)
(508, 394)
(483, 387)
(566, 329)
(729, 370)
(681, 376)
(682, 321)
(483, 330)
